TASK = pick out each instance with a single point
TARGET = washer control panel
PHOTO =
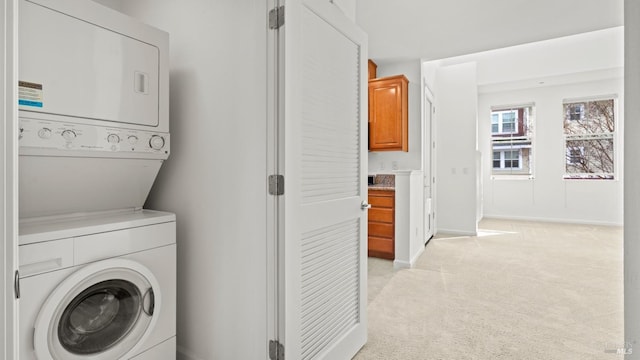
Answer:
(68, 136)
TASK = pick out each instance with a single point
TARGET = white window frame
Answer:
(608, 135)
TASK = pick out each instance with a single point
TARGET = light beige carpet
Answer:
(520, 291)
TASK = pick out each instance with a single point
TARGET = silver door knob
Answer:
(365, 205)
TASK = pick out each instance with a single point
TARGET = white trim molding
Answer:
(553, 220)
(9, 175)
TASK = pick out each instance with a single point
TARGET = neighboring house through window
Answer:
(589, 132)
(511, 140)
(575, 111)
(503, 122)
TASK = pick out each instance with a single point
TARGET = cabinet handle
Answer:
(365, 205)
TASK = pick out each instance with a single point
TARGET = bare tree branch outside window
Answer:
(589, 128)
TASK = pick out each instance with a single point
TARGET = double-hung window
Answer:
(512, 140)
(589, 133)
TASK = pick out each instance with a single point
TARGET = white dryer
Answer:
(98, 287)
(93, 108)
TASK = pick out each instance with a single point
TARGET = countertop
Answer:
(384, 182)
(381, 187)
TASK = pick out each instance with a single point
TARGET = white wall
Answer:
(456, 99)
(214, 179)
(631, 182)
(381, 162)
(547, 196)
(409, 228)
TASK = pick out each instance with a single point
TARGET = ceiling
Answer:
(436, 29)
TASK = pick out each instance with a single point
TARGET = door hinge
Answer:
(276, 350)
(16, 284)
(276, 17)
(276, 185)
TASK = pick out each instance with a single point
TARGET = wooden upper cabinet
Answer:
(388, 114)
(372, 69)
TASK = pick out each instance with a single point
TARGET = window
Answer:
(511, 140)
(507, 159)
(589, 131)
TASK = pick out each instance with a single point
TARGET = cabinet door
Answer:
(381, 227)
(372, 69)
(388, 114)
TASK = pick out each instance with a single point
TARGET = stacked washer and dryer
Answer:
(97, 273)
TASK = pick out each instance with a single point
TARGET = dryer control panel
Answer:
(67, 136)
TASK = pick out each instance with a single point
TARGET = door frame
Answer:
(9, 175)
(273, 203)
(428, 154)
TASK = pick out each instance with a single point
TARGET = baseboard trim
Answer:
(416, 256)
(401, 264)
(456, 232)
(553, 220)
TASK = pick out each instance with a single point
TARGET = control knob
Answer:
(113, 139)
(156, 142)
(69, 135)
(44, 133)
(133, 139)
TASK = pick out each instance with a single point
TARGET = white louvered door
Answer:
(323, 158)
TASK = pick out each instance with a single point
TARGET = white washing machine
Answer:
(100, 287)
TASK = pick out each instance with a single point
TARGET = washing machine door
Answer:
(105, 310)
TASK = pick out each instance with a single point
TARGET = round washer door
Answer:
(102, 311)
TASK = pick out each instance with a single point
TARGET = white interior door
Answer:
(9, 178)
(322, 236)
(428, 166)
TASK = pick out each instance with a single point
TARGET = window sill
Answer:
(512, 177)
(571, 179)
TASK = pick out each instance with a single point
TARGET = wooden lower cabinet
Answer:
(381, 227)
